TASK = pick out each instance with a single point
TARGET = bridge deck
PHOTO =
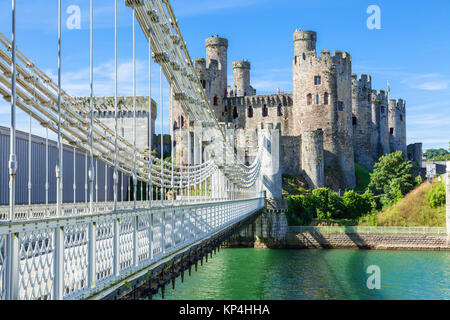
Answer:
(78, 257)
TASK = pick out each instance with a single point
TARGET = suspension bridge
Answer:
(91, 249)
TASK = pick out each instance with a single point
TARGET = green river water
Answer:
(258, 274)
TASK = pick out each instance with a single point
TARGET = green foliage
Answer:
(328, 204)
(437, 154)
(362, 177)
(418, 180)
(300, 210)
(392, 174)
(325, 204)
(436, 196)
(168, 159)
(357, 205)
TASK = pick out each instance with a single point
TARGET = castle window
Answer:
(250, 111)
(181, 122)
(391, 130)
(235, 113)
(401, 117)
(340, 105)
(216, 101)
(280, 110)
(325, 98)
(317, 99)
(317, 80)
(123, 132)
(382, 109)
(203, 83)
(309, 99)
(354, 121)
(265, 111)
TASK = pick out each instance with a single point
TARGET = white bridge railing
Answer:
(77, 257)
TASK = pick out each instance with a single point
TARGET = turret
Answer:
(304, 41)
(216, 49)
(313, 158)
(241, 78)
(397, 126)
(362, 120)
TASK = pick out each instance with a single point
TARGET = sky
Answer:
(411, 49)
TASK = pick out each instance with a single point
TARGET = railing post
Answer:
(116, 247)
(91, 255)
(135, 240)
(150, 235)
(12, 275)
(58, 264)
(163, 235)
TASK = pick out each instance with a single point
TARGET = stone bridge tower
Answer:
(322, 99)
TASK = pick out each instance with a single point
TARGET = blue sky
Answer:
(411, 50)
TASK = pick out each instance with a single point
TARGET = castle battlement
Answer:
(241, 64)
(216, 41)
(398, 104)
(271, 100)
(363, 79)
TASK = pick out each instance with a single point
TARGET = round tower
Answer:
(241, 78)
(216, 49)
(380, 137)
(312, 158)
(322, 99)
(362, 120)
(304, 41)
(397, 127)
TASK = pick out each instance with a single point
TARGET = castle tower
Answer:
(241, 79)
(322, 99)
(104, 110)
(380, 137)
(362, 120)
(397, 126)
(304, 41)
(216, 49)
(313, 158)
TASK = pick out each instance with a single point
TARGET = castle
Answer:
(332, 119)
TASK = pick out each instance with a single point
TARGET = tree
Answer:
(392, 175)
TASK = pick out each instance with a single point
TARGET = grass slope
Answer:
(414, 210)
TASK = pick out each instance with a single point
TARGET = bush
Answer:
(328, 204)
(436, 196)
(300, 210)
(358, 205)
(392, 174)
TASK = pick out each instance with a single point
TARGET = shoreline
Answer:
(357, 241)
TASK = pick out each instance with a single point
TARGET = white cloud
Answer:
(428, 82)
